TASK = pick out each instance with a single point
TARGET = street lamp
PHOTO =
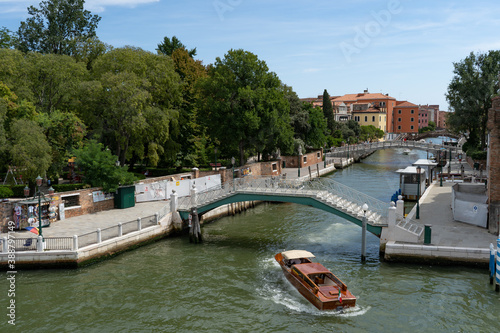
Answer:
(39, 194)
(232, 163)
(418, 193)
(363, 233)
(300, 160)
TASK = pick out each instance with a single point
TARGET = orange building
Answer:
(406, 117)
(383, 103)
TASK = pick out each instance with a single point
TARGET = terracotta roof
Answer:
(361, 97)
(405, 104)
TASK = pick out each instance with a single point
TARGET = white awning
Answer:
(297, 254)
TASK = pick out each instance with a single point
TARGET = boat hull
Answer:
(322, 297)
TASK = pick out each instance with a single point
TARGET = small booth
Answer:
(412, 182)
(428, 166)
(26, 213)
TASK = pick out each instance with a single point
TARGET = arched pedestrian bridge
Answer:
(321, 193)
(364, 149)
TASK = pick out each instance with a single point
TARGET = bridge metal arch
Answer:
(302, 200)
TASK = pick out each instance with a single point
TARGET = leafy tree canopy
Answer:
(99, 168)
(168, 47)
(469, 94)
(56, 27)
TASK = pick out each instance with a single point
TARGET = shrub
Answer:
(68, 187)
(478, 155)
(6, 192)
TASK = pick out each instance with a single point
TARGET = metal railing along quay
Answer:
(79, 241)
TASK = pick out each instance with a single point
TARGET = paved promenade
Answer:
(435, 209)
(90, 222)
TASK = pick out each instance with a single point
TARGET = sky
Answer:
(402, 48)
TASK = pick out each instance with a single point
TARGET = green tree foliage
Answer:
(65, 132)
(88, 50)
(133, 102)
(7, 38)
(430, 128)
(167, 47)
(99, 169)
(316, 136)
(57, 26)
(328, 111)
(30, 152)
(191, 137)
(54, 81)
(299, 114)
(244, 106)
(469, 94)
(370, 133)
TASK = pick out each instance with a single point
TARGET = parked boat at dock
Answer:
(314, 281)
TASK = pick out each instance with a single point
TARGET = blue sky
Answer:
(400, 47)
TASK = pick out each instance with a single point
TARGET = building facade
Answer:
(406, 116)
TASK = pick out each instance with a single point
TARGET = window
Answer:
(399, 120)
(411, 127)
(275, 166)
(305, 159)
(71, 200)
(366, 118)
(412, 111)
(412, 119)
(399, 111)
(399, 127)
(318, 155)
(373, 118)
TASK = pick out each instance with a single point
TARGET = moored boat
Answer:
(314, 281)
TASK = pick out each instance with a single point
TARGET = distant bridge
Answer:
(433, 134)
(363, 149)
(324, 194)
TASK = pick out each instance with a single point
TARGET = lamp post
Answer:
(441, 176)
(232, 163)
(419, 169)
(38, 194)
(215, 153)
(300, 160)
(363, 233)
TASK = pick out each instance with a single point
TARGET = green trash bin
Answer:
(476, 166)
(125, 197)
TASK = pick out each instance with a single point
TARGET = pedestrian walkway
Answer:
(83, 224)
(435, 210)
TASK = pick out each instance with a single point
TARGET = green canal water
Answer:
(231, 283)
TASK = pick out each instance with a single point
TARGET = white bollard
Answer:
(400, 206)
(39, 244)
(174, 201)
(193, 196)
(139, 224)
(75, 242)
(391, 215)
(99, 236)
(5, 246)
(120, 229)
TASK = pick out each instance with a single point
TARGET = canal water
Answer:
(231, 283)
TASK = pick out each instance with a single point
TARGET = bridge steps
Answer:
(348, 207)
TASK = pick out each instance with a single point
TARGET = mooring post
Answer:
(194, 227)
(363, 234)
(492, 263)
(497, 274)
(5, 245)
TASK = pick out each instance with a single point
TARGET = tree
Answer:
(7, 39)
(167, 47)
(244, 106)
(54, 81)
(370, 133)
(56, 27)
(299, 114)
(316, 136)
(469, 95)
(328, 111)
(133, 102)
(30, 153)
(99, 169)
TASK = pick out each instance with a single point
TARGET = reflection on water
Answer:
(231, 283)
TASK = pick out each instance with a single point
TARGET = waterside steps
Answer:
(410, 227)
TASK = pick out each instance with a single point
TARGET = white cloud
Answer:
(100, 5)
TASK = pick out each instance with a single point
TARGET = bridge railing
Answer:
(363, 147)
(282, 185)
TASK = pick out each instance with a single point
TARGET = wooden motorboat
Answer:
(314, 281)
